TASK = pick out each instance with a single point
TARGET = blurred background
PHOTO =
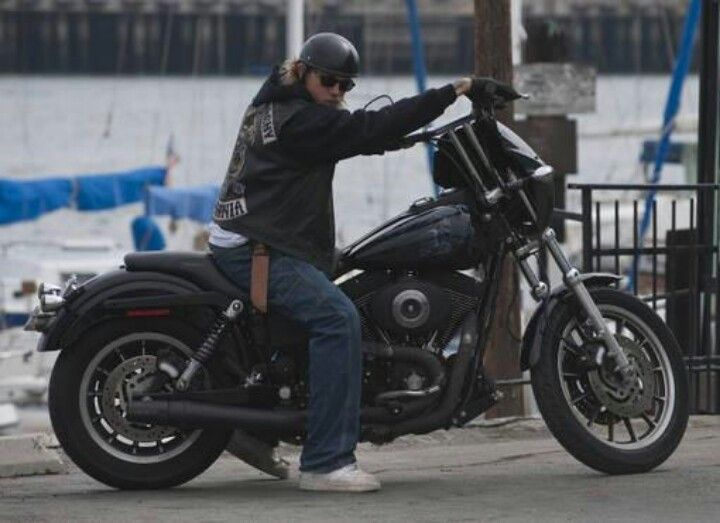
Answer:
(100, 97)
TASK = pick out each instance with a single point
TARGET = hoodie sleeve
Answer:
(319, 133)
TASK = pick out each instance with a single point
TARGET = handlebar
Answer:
(430, 134)
(487, 198)
(485, 94)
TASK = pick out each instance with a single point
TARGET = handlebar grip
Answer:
(488, 92)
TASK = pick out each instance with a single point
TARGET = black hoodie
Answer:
(278, 188)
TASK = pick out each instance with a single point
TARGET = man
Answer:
(278, 193)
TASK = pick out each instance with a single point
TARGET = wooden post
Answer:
(493, 46)
(556, 90)
(493, 57)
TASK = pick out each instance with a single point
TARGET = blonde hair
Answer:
(291, 71)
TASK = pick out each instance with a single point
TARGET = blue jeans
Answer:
(303, 293)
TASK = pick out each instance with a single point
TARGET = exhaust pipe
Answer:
(198, 414)
(439, 417)
(425, 359)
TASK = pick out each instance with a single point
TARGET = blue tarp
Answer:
(106, 191)
(27, 200)
(147, 235)
(194, 203)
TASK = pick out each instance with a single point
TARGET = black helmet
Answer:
(330, 53)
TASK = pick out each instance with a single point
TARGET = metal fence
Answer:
(675, 265)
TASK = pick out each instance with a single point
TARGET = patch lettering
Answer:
(229, 210)
(267, 126)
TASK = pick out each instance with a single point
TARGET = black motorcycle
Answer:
(162, 359)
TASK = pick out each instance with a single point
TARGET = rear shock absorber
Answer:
(210, 345)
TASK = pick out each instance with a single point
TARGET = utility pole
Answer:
(708, 173)
(294, 27)
(493, 57)
(493, 45)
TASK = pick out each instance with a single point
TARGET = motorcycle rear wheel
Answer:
(601, 426)
(87, 406)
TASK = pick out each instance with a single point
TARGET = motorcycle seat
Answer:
(200, 269)
(196, 267)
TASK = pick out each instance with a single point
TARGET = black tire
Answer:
(117, 467)
(554, 393)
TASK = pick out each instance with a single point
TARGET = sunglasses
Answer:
(328, 80)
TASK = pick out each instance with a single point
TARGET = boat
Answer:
(23, 265)
(26, 263)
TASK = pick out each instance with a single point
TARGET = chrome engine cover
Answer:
(411, 308)
(411, 305)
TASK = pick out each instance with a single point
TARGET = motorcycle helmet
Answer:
(330, 53)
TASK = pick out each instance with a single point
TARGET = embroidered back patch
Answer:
(228, 210)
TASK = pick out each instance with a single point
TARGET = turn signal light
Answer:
(51, 302)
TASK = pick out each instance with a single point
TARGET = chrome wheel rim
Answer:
(116, 367)
(622, 431)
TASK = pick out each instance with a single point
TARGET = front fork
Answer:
(572, 278)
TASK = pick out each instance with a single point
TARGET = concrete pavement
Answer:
(27, 455)
(512, 473)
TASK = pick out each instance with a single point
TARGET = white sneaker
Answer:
(346, 479)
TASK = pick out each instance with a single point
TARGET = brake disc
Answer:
(625, 401)
(120, 382)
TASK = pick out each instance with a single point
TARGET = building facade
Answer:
(248, 36)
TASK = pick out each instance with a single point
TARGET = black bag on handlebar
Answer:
(445, 168)
(503, 152)
(448, 168)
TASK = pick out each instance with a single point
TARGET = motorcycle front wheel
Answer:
(607, 428)
(88, 396)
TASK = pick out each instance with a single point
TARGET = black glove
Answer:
(488, 92)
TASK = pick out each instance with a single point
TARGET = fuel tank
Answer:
(441, 236)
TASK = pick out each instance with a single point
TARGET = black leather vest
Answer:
(267, 196)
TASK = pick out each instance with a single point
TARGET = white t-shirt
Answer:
(219, 237)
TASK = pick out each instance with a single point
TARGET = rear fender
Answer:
(111, 294)
(530, 351)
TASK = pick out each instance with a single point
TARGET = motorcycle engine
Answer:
(421, 311)
(417, 311)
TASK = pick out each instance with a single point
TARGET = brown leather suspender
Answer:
(259, 273)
